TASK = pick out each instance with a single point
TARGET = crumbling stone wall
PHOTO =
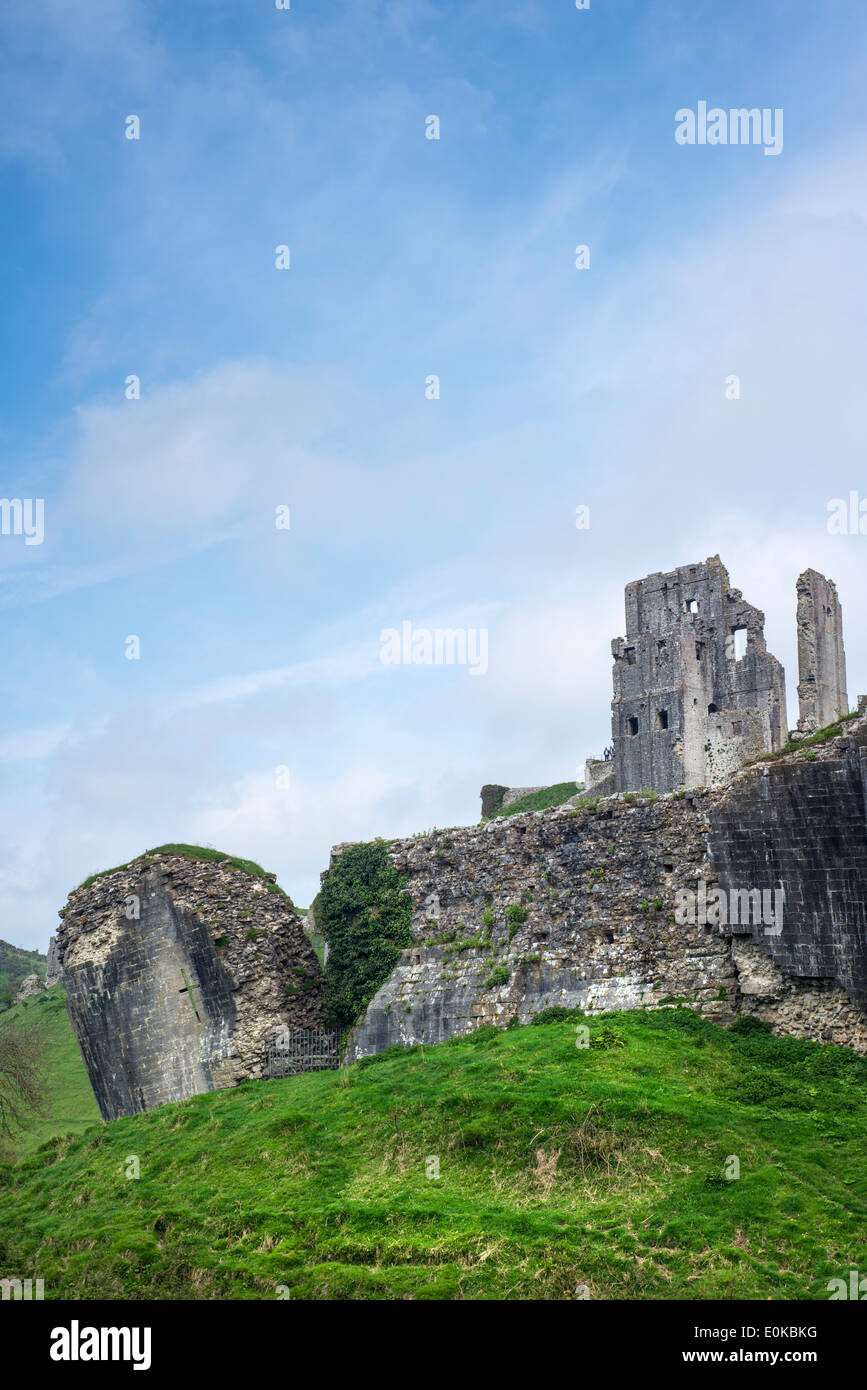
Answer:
(822, 696)
(53, 970)
(577, 907)
(687, 708)
(599, 776)
(175, 970)
(496, 798)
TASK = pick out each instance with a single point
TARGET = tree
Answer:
(23, 1075)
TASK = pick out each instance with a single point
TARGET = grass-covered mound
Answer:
(196, 852)
(71, 1105)
(559, 1167)
(543, 800)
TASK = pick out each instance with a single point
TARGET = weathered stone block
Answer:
(175, 970)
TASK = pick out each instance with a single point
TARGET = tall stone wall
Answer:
(800, 828)
(687, 706)
(822, 695)
(578, 907)
(175, 969)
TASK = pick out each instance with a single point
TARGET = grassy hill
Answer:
(71, 1105)
(15, 965)
(558, 1167)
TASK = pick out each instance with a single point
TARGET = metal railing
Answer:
(295, 1050)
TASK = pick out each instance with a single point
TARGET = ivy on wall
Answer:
(365, 919)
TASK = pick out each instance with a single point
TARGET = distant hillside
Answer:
(15, 965)
(669, 1159)
(71, 1107)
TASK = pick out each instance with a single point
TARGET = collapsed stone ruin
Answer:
(176, 970)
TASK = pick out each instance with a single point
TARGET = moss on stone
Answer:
(195, 852)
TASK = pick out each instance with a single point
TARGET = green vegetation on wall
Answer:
(543, 800)
(203, 854)
(365, 918)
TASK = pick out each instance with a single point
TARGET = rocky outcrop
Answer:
(175, 971)
(29, 986)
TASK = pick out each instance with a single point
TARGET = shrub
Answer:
(748, 1025)
(498, 976)
(556, 1014)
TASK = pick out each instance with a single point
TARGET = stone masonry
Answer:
(575, 906)
(689, 706)
(822, 695)
(175, 969)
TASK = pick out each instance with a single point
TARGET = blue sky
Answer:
(306, 387)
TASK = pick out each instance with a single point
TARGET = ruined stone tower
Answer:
(822, 696)
(696, 691)
(175, 969)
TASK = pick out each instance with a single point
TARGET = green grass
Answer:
(559, 1166)
(317, 941)
(195, 852)
(541, 801)
(71, 1104)
(821, 736)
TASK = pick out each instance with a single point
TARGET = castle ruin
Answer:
(822, 695)
(696, 691)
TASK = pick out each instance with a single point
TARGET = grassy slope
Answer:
(541, 801)
(71, 1105)
(318, 1182)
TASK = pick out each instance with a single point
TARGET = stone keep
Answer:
(175, 969)
(696, 691)
(822, 696)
